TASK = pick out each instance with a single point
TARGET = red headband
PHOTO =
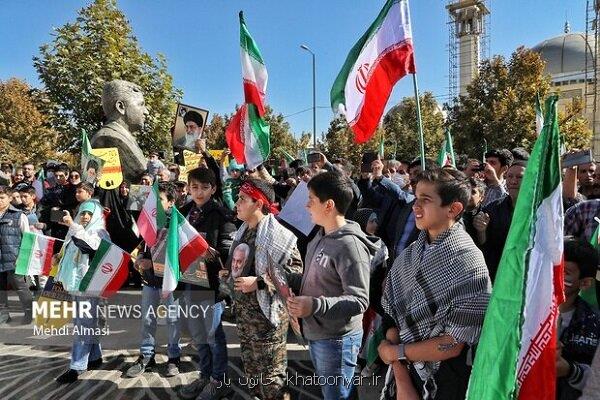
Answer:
(256, 194)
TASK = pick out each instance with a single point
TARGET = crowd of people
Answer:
(407, 251)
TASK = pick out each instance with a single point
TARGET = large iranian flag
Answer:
(184, 246)
(248, 135)
(152, 217)
(35, 254)
(517, 349)
(107, 272)
(382, 56)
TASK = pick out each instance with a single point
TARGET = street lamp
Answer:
(305, 47)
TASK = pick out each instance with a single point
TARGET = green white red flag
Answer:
(248, 135)
(184, 246)
(446, 156)
(107, 272)
(516, 355)
(381, 57)
(35, 254)
(152, 217)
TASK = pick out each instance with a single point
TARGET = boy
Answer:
(261, 244)
(333, 293)
(150, 302)
(579, 324)
(435, 296)
(13, 223)
(214, 223)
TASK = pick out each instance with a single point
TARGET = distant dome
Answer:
(566, 53)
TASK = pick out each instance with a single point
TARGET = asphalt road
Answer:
(30, 362)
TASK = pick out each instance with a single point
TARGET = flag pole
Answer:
(419, 122)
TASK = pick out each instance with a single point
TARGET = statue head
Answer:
(123, 102)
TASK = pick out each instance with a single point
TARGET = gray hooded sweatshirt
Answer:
(336, 274)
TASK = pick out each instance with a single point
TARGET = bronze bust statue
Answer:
(125, 111)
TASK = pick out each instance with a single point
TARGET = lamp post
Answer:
(304, 47)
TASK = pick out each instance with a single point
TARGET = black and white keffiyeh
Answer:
(436, 289)
(274, 243)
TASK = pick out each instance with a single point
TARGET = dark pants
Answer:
(19, 284)
(452, 378)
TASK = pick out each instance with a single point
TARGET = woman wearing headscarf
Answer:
(83, 238)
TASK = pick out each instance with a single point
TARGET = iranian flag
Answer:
(184, 246)
(382, 56)
(152, 217)
(517, 350)
(107, 272)
(446, 156)
(539, 116)
(248, 135)
(88, 160)
(35, 254)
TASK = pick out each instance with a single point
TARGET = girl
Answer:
(81, 242)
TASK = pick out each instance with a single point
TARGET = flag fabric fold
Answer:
(381, 57)
(248, 135)
(516, 354)
(184, 246)
(152, 217)
(107, 272)
(35, 254)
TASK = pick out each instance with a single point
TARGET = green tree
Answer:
(282, 138)
(215, 132)
(401, 131)
(500, 104)
(25, 133)
(98, 47)
(574, 126)
(339, 142)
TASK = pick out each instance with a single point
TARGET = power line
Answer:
(303, 111)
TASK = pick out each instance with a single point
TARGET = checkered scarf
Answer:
(438, 289)
(273, 242)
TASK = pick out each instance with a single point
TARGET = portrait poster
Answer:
(112, 175)
(185, 113)
(195, 274)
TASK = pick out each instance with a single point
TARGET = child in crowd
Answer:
(151, 299)
(435, 296)
(579, 323)
(13, 223)
(82, 240)
(214, 223)
(333, 292)
(259, 245)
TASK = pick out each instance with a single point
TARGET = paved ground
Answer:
(29, 363)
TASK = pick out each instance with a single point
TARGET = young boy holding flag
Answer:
(151, 298)
(214, 223)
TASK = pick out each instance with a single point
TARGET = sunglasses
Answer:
(73, 176)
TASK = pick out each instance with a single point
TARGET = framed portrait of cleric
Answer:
(189, 126)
